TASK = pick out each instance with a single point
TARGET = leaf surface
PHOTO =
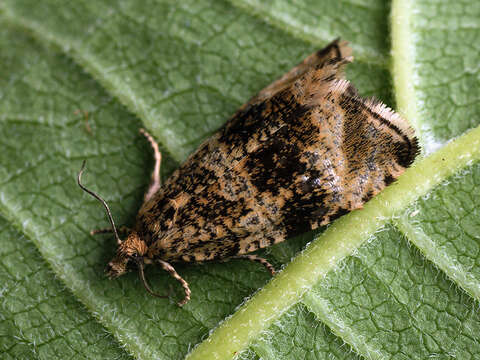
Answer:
(39, 318)
(98, 71)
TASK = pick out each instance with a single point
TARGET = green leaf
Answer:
(435, 66)
(39, 318)
(180, 70)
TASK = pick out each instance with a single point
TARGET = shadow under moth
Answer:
(302, 152)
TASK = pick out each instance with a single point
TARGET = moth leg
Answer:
(155, 182)
(121, 229)
(170, 269)
(336, 50)
(258, 259)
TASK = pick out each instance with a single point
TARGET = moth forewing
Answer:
(302, 152)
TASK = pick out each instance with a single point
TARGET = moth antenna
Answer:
(79, 179)
(144, 280)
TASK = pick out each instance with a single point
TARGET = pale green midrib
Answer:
(429, 248)
(135, 105)
(337, 242)
(317, 305)
(363, 55)
(403, 81)
(317, 241)
(403, 64)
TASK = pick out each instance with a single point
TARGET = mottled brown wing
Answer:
(336, 50)
(303, 152)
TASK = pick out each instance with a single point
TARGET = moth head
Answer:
(130, 253)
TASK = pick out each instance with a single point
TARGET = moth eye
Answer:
(131, 264)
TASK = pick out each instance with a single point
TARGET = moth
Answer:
(302, 152)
